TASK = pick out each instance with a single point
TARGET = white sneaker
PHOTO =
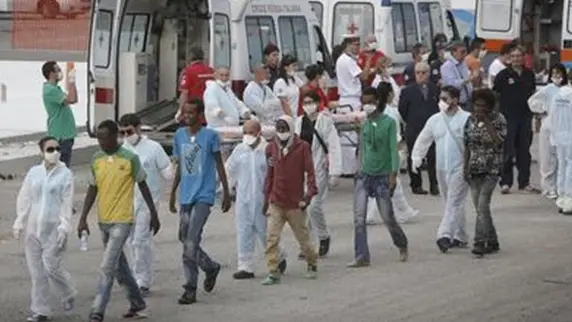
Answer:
(550, 195)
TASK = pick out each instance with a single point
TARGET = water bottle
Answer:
(83, 241)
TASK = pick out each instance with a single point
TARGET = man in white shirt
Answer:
(499, 63)
(222, 107)
(350, 77)
(260, 99)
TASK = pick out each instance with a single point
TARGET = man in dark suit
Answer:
(417, 103)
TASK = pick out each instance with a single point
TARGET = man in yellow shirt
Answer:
(114, 172)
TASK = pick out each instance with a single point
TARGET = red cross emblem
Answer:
(352, 28)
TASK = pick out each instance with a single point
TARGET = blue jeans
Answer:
(482, 188)
(66, 147)
(115, 265)
(192, 221)
(368, 186)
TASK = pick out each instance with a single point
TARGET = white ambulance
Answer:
(397, 24)
(139, 47)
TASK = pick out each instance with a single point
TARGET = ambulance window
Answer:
(318, 9)
(322, 48)
(259, 33)
(221, 40)
(404, 27)
(352, 18)
(497, 17)
(430, 21)
(295, 39)
(133, 35)
(101, 48)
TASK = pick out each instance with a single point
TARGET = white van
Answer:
(139, 47)
(397, 24)
(291, 26)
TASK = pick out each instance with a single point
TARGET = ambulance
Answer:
(397, 24)
(545, 27)
(138, 49)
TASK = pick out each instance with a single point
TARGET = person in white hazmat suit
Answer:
(541, 103)
(260, 99)
(560, 119)
(44, 206)
(318, 129)
(403, 211)
(157, 165)
(246, 171)
(446, 129)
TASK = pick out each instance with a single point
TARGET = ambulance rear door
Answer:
(498, 21)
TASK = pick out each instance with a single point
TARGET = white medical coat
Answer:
(262, 101)
(45, 202)
(218, 98)
(449, 148)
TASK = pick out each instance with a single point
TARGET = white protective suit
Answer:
(157, 165)
(561, 137)
(222, 107)
(261, 100)
(447, 132)
(44, 204)
(326, 165)
(403, 211)
(542, 102)
(246, 170)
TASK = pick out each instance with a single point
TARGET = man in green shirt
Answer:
(61, 122)
(376, 176)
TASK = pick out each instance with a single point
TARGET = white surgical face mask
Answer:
(52, 158)
(443, 106)
(369, 108)
(310, 108)
(265, 82)
(556, 80)
(448, 55)
(283, 136)
(291, 73)
(482, 54)
(249, 139)
(60, 76)
(425, 57)
(372, 45)
(223, 84)
(120, 140)
(132, 139)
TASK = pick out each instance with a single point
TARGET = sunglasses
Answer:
(51, 149)
(127, 132)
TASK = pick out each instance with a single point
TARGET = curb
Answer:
(18, 166)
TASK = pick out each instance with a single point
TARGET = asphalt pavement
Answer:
(529, 280)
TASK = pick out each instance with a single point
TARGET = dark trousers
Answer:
(517, 148)
(415, 179)
(66, 148)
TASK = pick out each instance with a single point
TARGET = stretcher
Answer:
(345, 119)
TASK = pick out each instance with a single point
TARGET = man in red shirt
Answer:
(289, 166)
(316, 83)
(370, 50)
(193, 79)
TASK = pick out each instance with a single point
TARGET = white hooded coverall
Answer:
(262, 101)
(403, 211)
(561, 137)
(541, 103)
(447, 133)
(246, 170)
(157, 165)
(44, 204)
(325, 165)
(222, 107)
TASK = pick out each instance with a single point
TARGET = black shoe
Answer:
(243, 275)
(458, 244)
(38, 318)
(434, 191)
(479, 249)
(492, 247)
(188, 298)
(418, 191)
(324, 247)
(282, 266)
(444, 244)
(210, 280)
(301, 257)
